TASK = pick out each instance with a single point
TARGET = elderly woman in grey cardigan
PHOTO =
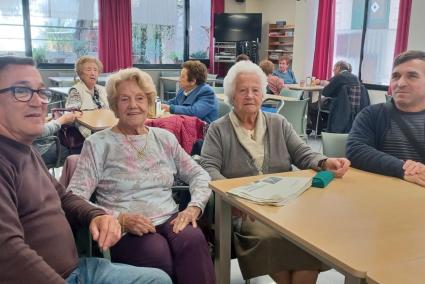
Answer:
(248, 142)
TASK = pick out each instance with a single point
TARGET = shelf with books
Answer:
(281, 41)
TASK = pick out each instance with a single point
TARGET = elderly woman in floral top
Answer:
(131, 168)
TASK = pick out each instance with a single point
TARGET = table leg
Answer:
(223, 230)
(354, 280)
(161, 89)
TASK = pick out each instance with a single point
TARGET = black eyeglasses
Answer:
(24, 94)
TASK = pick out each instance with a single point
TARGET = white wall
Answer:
(417, 22)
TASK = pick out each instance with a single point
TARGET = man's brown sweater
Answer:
(36, 241)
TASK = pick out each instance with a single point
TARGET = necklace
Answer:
(141, 152)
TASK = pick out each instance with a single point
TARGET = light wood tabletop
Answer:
(359, 223)
(98, 119)
(305, 88)
(409, 272)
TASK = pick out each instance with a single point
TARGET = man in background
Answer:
(389, 138)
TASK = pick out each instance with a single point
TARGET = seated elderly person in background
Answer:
(345, 96)
(248, 142)
(196, 97)
(274, 83)
(284, 72)
(131, 168)
(86, 94)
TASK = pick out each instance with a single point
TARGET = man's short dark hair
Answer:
(15, 60)
(409, 55)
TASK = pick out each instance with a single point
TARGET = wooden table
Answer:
(406, 272)
(358, 224)
(315, 88)
(98, 119)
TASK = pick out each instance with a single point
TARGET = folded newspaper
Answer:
(273, 190)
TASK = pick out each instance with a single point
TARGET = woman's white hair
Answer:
(242, 67)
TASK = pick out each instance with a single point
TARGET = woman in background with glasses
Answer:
(86, 94)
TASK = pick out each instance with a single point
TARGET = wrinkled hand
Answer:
(338, 166)
(136, 224)
(106, 230)
(238, 213)
(419, 179)
(412, 168)
(189, 215)
(165, 107)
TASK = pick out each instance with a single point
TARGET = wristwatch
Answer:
(321, 164)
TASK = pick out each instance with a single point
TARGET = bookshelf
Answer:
(225, 52)
(281, 41)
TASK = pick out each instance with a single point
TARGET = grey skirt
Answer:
(262, 251)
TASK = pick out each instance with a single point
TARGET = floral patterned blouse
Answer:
(125, 182)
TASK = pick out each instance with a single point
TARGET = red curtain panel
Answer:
(115, 34)
(403, 24)
(323, 52)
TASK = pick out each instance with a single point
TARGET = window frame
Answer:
(28, 43)
(378, 87)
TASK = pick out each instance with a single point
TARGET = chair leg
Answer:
(247, 281)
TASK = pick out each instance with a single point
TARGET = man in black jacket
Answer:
(389, 138)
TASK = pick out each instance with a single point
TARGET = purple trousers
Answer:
(184, 256)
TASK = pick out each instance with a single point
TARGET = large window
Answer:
(158, 31)
(379, 41)
(199, 29)
(58, 32)
(12, 40)
(61, 33)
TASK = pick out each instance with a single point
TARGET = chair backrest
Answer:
(223, 108)
(334, 144)
(291, 93)
(296, 113)
(272, 105)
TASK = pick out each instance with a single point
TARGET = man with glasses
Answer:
(36, 241)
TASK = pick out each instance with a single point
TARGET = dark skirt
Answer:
(263, 251)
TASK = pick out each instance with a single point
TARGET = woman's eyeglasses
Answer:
(24, 94)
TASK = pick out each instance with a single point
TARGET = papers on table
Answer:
(273, 190)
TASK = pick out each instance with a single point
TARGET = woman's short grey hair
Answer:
(143, 80)
(83, 60)
(242, 67)
(343, 66)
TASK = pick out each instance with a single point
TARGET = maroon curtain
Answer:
(217, 7)
(323, 52)
(115, 34)
(403, 26)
